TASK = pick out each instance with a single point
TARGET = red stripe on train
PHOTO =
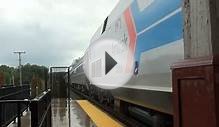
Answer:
(132, 38)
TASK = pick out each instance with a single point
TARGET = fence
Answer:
(10, 110)
(15, 100)
(41, 110)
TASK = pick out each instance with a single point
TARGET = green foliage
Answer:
(2, 79)
(28, 72)
(7, 72)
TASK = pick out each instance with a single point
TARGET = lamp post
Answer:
(19, 58)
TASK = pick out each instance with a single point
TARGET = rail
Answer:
(9, 108)
(40, 108)
(18, 109)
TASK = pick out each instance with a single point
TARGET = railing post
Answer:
(19, 114)
(49, 119)
(69, 108)
(50, 110)
(46, 78)
(41, 111)
(34, 113)
(0, 115)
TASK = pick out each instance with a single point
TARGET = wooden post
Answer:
(196, 78)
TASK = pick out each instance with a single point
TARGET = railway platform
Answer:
(82, 114)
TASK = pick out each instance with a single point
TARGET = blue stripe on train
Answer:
(166, 32)
(157, 10)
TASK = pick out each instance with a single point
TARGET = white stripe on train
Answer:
(160, 21)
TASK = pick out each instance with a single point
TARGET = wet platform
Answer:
(25, 120)
(82, 114)
(60, 115)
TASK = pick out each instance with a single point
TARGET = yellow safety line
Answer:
(100, 118)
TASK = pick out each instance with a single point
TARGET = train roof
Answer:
(113, 16)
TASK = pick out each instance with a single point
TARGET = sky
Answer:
(51, 32)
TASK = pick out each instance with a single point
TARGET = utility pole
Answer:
(19, 58)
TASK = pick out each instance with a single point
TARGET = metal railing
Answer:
(15, 92)
(10, 115)
(40, 108)
(9, 110)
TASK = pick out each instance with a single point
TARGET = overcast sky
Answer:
(52, 32)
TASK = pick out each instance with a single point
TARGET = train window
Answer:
(80, 68)
(104, 25)
(96, 68)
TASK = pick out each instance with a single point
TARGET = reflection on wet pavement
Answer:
(25, 120)
(60, 117)
(60, 114)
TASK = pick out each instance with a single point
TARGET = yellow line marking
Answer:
(100, 118)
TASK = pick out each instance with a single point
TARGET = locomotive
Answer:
(153, 30)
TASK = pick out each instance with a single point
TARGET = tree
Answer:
(28, 71)
(2, 79)
(36, 86)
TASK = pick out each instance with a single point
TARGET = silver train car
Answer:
(77, 75)
(153, 29)
(80, 82)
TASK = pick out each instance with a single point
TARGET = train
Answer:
(153, 30)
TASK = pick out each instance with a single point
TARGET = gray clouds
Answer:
(52, 32)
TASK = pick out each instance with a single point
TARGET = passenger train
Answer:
(153, 30)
